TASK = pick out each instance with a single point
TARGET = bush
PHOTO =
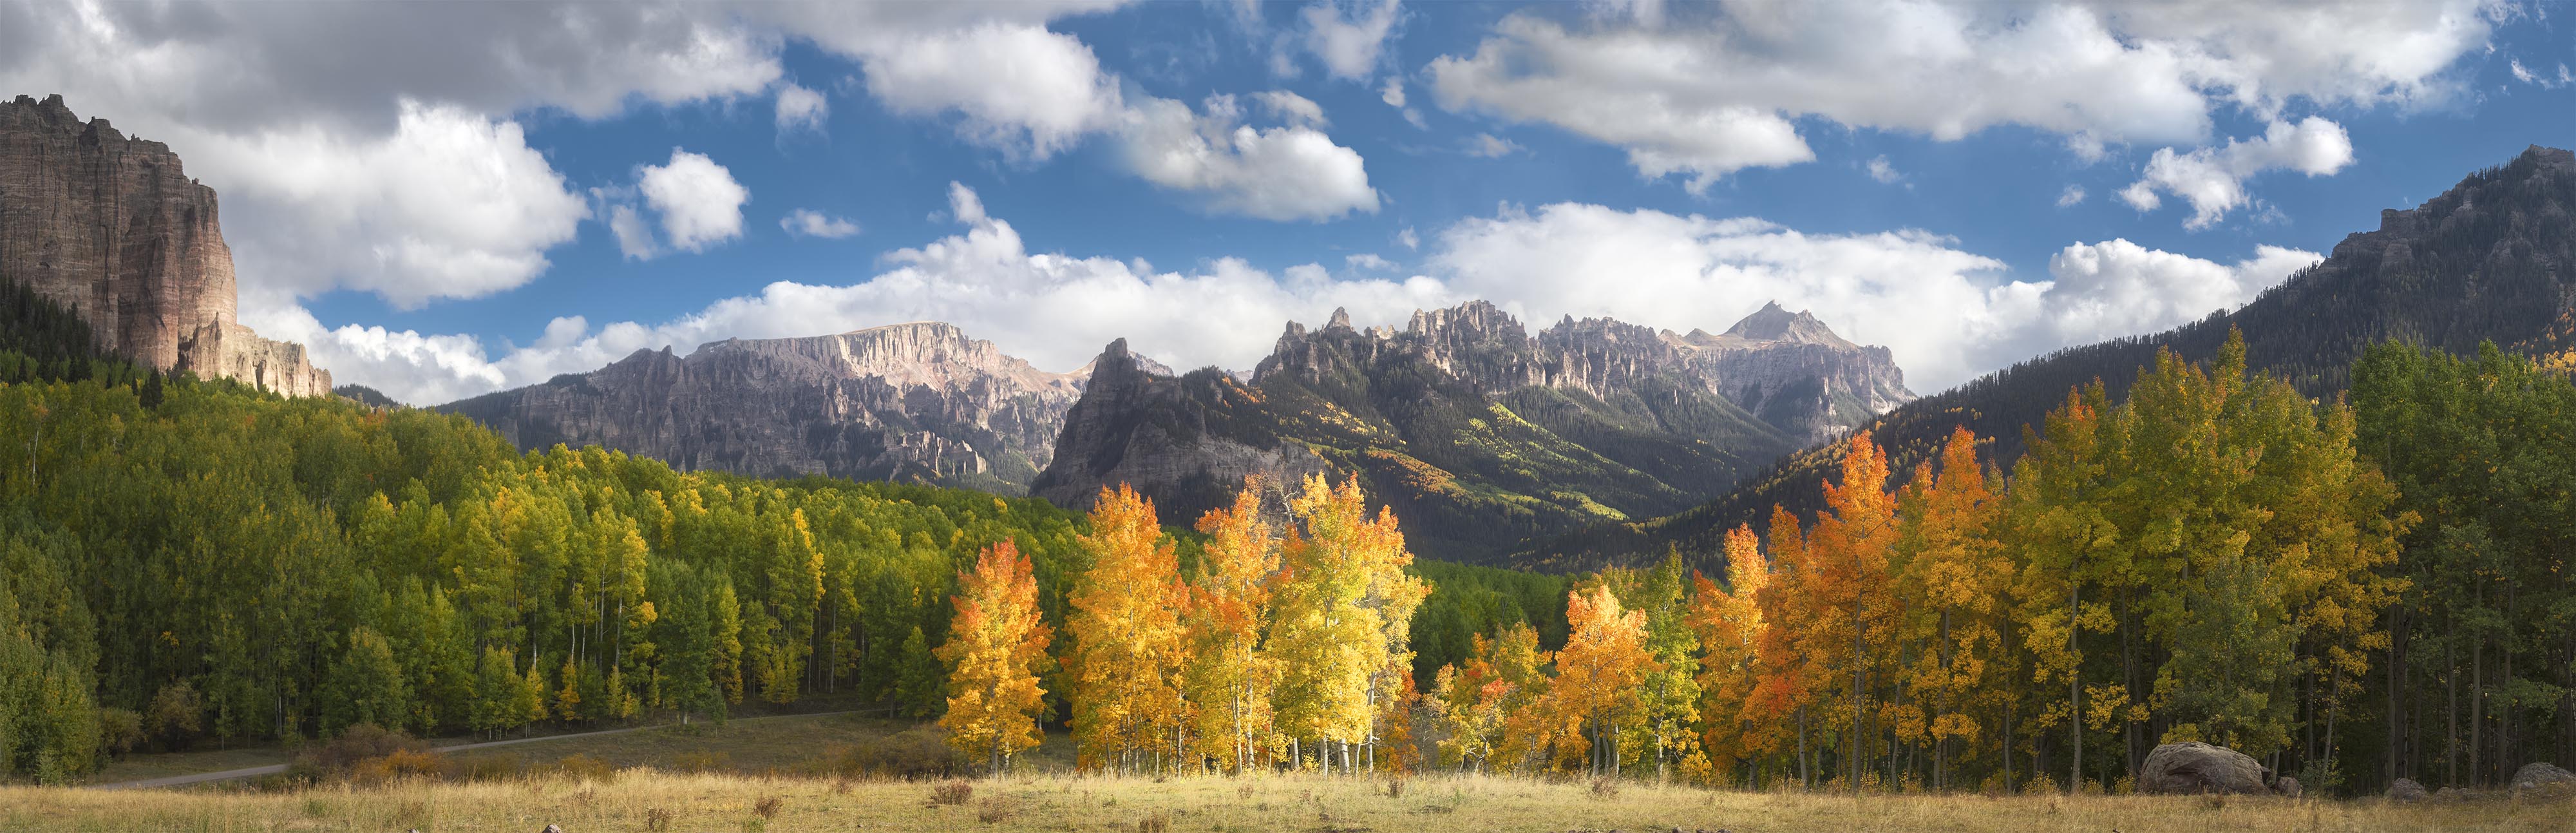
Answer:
(920, 752)
(767, 807)
(951, 793)
(342, 756)
(587, 768)
(175, 716)
(119, 731)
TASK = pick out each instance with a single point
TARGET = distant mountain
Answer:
(1480, 435)
(2493, 259)
(916, 402)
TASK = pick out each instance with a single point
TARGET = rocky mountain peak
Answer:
(1775, 323)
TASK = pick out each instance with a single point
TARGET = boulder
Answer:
(2450, 795)
(2192, 768)
(2286, 787)
(2406, 790)
(2546, 778)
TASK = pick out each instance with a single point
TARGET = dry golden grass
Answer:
(647, 800)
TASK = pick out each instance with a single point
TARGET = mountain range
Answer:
(2493, 259)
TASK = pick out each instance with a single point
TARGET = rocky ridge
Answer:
(112, 227)
(1477, 431)
(917, 402)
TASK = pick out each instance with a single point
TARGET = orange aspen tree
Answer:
(1127, 653)
(1519, 697)
(1597, 675)
(1728, 622)
(1850, 549)
(1470, 700)
(996, 648)
(1229, 675)
(1788, 678)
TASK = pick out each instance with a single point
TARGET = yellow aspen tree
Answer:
(1229, 675)
(996, 648)
(1342, 618)
(1957, 578)
(1125, 663)
(1790, 670)
(1519, 700)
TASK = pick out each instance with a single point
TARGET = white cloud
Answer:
(1017, 88)
(634, 236)
(1715, 93)
(807, 222)
(2073, 195)
(2213, 179)
(1408, 239)
(1348, 36)
(1489, 146)
(801, 109)
(1292, 108)
(2521, 73)
(450, 205)
(698, 200)
(2525, 75)
(1368, 261)
(1882, 170)
(1392, 93)
(1276, 173)
(2118, 288)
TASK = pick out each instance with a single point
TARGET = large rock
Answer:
(917, 402)
(2406, 790)
(2192, 767)
(112, 228)
(2287, 787)
(2544, 778)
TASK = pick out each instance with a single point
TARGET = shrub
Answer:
(657, 820)
(1156, 823)
(584, 767)
(119, 731)
(951, 792)
(342, 756)
(1605, 788)
(919, 752)
(767, 807)
(993, 811)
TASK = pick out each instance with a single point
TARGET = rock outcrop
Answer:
(111, 226)
(917, 402)
(2544, 778)
(2406, 790)
(1478, 433)
(1794, 372)
(2193, 768)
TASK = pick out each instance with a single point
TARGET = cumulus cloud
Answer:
(1368, 261)
(1489, 146)
(807, 222)
(1392, 93)
(1017, 88)
(2073, 195)
(1291, 172)
(1705, 95)
(1348, 36)
(2118, 288)
(699, 201)
(2213, 179)
(801, 109)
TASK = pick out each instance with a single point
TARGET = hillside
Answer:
(1479, 434)
(2492, 259)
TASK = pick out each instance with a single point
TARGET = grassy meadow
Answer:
(656, 800)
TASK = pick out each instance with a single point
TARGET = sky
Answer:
(443, 200)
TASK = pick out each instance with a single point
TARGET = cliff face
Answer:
(1796, 373)
(1478, 433)
(112, 227)
(912, 402)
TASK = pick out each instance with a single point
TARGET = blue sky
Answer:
(425, 194)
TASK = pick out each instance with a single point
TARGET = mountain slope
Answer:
(2493, 259)
(917, 402)
(1478, 434)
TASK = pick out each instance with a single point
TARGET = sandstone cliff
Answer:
(915, 402)
(112, 227)
(1478, 433)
